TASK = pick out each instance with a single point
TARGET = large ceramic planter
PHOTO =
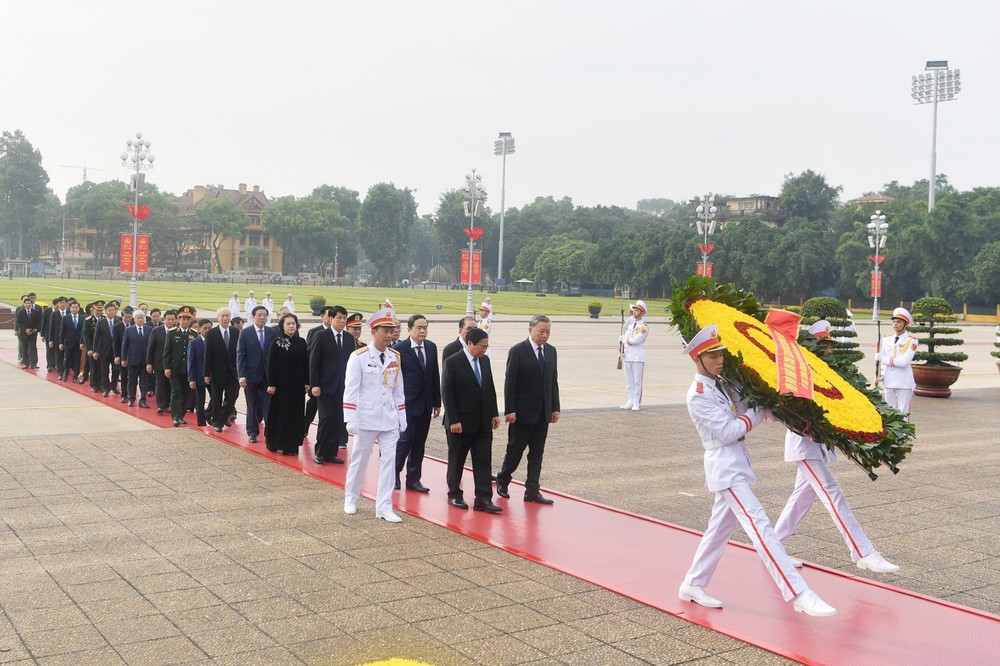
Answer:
(934, 381)
(594, 312)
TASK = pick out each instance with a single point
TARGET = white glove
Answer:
(352, 427)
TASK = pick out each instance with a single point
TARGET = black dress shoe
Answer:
(160, 410)
(131, 403)
(94, 390)
(124, 400)
(457, 502)
(183, 422)
(538, 498)
(418, 487)
(488, 507)
(142, 403)
(318, 459)
(107, 393)
(502, 490)
(337, 461)
(218, 428)
(178, 423)
(201, 423)
(253, 439)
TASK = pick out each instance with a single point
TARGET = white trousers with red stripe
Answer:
(633, 382)
(739, 504)
(364, 442)
(814, 479)
(899, 398)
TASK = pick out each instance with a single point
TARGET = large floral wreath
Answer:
(843, 412)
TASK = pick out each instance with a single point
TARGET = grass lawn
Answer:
(209, 297)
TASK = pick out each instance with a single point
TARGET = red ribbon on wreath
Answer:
(475, 233)
(142, 213)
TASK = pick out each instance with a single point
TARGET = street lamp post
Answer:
(137, 152)
(475, 192)
(939, 84)
(877, 232)
(706, 211)
(503, 146)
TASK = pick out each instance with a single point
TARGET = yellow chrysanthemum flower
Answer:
(847, 410)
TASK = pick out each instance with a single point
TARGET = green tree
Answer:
(986, 271)
(23, 186)
(311, 231)
(347, 200)
(659, 207)
(47, 227)
(384, 222)
(218, 219)
(102, 207)
(566, 262)
(808, 195)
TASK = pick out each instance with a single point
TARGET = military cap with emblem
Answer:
(820, 329)
(705, 340)
(384, 317)
(98, 306)
(356, 320)
(185, 311)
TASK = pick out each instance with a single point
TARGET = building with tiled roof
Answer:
(876, 198)
(233, 252)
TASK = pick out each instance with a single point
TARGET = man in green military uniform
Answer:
(175, 348)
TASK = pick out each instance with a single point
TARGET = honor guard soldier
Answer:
(375, 411)
(634, 355)
(723, 421)
(894, 359)
(175, 365)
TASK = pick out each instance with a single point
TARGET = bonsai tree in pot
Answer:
(317, 303)
(844, 337)
(935, 371)
(594, 308)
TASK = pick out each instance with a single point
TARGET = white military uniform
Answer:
(634, 360)
(290, 305)
(234, 307)
(894, 360)
(374, 410)
(722, 422)
(269, 304)
(814, 479)
(248, 307)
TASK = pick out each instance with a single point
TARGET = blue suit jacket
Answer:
(134, 347)
(422, 387)
(196, 361)
(251, 361)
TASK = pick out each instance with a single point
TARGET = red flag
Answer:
(475, 233)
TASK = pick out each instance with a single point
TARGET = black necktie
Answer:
(381, 358)
(340, 344)
(420, 357)
(541, 360)
(896, 341)
(225, 337)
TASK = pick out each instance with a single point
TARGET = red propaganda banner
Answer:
(141, 257)
(876, 285)
(477, 265)
(142, 254)
(700, 270)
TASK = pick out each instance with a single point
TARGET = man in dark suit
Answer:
(28, 321)
(51, 326)
(531, 402)
(135, 342)
(422, 387)
(104, 348)
(154, 361)
(220, 370)
(465, 324)
(251, 360)
(70, 341)
(329, 349)
(471, 416)
(196, 369)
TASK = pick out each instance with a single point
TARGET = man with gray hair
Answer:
(220, 370)
(531, 402)
(135, 341)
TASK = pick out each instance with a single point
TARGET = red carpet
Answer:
(645, 559)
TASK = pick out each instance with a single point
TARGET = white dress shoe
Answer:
(809, 603)
(350, 509)
(796, 563)
(388, 516)
(698, 595)
(635, 408)
(627, 405)
(875, 562)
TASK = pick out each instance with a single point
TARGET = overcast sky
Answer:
(609, 102)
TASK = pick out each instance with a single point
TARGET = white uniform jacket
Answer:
(799, 447)
(269, 304)
(248, 306)
(634, 340)
(722, 425)
(895, 359)
(234, 307)
(373, 391)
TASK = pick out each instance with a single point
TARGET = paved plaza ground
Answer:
(125, 543)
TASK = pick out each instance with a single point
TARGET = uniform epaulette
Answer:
(394, 351)
(699, 387)
(362, 349)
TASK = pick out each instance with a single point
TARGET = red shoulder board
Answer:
(699, 387)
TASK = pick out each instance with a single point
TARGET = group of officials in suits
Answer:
(181, 361)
